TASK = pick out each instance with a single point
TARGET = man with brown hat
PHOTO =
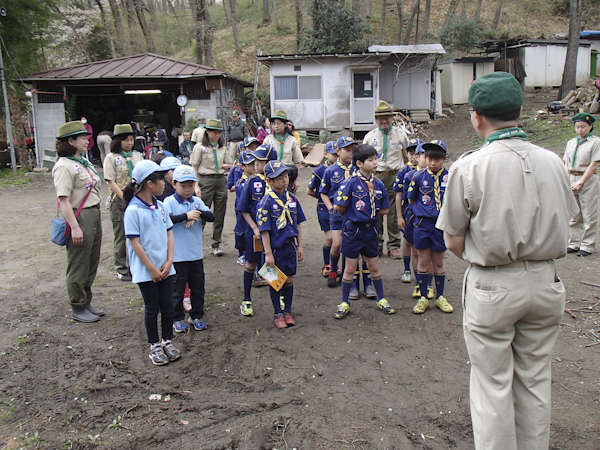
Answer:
(506, 212)
(390, 142)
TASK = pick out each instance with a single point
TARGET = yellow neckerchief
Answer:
(368, 185)
(436, 187)
(412, 166)
(285, 209)
(346, 168)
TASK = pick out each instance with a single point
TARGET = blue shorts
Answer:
(409, 228)
(240, 242)
(426, 235)
(249, 246)
(335, 221)
(286, 257)
(360, 239)
(323, 216)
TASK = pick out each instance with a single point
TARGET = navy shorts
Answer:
(249, 246)
(240, 242)
(323, 216)
(335, 221)
(360, 239)
(286, 257)
(409, 228)
(426, 235)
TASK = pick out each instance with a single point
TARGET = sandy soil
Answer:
(369, 382)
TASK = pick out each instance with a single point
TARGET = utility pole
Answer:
(13, 160)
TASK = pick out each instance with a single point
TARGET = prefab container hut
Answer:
(457, 75)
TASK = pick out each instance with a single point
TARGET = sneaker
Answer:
(280, 321)
(443, 304)
(246, 308)
(198, 324)
(256, 281)
(421, 306)
(171, 352)
(187, 304)
(430, 293)
(354, 294)
(289, 320)
(394, 253)
(370, 291)
(325, 270)
(179, 326)
(158, 356)
(262, 282)
(572, 250)
(332, 280)
(384, 305)
(583, 253)
(417, 292)
(124, 276)
(342, 310)
(241, 260)
(406, 277)
(216, 251)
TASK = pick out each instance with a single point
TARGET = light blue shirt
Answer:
(188, 241)
(150, 223)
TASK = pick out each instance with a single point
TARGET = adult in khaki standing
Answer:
(390, 142)
(581, 159)
(236, 132)
(506, 212)
(286, 146)
(104, 140)
(199, 131)
(118, 166)
(77, 187)
(211, 160)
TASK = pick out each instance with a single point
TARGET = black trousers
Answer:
(192, 273)
(158, 297)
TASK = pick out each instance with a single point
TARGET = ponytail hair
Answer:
(133, 188)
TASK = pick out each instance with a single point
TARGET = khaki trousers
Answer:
(214, 191)
(104, 147)
(233, 150)
(583, 228)
(82, 261)
(511, 319)
(119, 240)
(392, 216)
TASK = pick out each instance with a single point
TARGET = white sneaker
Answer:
(406, 277)
(216, 251)
(241, 260)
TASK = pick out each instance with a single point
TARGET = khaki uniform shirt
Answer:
(396, 148)
(512, 201)
(198, 134)
(203, 158)
(115, 167)
(587, 152)
(291, 150)
(73, 180)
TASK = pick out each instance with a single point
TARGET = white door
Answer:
(363, 97)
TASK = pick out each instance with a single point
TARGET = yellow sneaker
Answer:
(246, 309)
(443, 304)
(384, 305)
(421, 306)
(342, 310)
(417, 292)
(430, 292)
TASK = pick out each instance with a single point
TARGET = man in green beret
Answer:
(581, 159)
(506, 212)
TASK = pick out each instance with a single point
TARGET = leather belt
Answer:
(573, 172)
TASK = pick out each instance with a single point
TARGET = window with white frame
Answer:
(298, 87)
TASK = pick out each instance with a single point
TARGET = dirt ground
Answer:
(370, 381)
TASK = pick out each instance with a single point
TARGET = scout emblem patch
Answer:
(360, 205)
(426, 200)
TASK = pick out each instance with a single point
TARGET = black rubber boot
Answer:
(83, 315)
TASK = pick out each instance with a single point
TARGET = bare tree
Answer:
(169, 6)
(139, 10)
(382, 33)
(426, 18)
(71, 25)
(451, 11)
(411, 19)
(151, 7)
(266, 15)
(236, 39)
(356, 6)
(299, 25)
(569, 78)
(225, 9)
(275, 15)
(496, 21)
(105, 26)
(369, 11)
(399, 6)
(129, 7)
(208, 36)
(477, 17)
(199, 21)
(123, 44)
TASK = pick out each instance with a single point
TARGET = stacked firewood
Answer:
(585, 99)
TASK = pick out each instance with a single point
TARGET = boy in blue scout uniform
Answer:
(279, 217)
(246, 163)
(185, 210)
(314, 185)
(250, 196)
(426, 195)
(249, 143)
(360, 200)
(332, 179)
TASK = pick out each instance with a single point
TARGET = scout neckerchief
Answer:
(368, 185)
(436, 187)
(285, 209)
(281, 141)
(577, 147)
(127, 157)
(384, 149)
(214, 149)
(346, 169)
(84, 162)
(506, 133)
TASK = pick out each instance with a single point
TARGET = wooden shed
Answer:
(458, 74)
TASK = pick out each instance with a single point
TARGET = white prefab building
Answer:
(340, 91)
(457, 75)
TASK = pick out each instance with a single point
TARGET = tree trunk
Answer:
(477, 17)
(18, 127)
(369, 11)
(170, 6)
(382, 32)
(156, 31)
(451, 11)
(426, 18)
(236, 39)
(199, 19)
(225, 9)
(77, 37)
(356, 6)
(275, 16)
(411, 19)
(123, 46)
(569, 79)
(208, 36)
(139, 6)
(131, 19)
(399, 6)
(266, 15)
(110, 40)
(464, 10)
(496, 21)
(299, 26)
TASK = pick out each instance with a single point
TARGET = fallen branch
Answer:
(591, 284)
(569, 312)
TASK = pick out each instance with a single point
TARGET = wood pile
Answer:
(584, 99)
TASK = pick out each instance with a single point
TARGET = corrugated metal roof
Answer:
(147, 65)
(407, 49)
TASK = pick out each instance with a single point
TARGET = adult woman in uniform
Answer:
(210, 161)
(581, 159)
(118, 166)
(286, 146)
(76, 182)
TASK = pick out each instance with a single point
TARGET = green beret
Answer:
(214, 124)
(279, 114)
(584, 117)
(122, 130)
(496, 94)
(71, 129)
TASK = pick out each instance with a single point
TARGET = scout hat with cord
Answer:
(279, 114)
(122, 130)
(214, 124)
(73, 129)
(383, 109)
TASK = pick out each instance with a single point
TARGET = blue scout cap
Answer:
(419, 149)
(414, 142)
(249, 140)
(436, 144)
(274, 168)
(345, 141)
(240, 148)
(144, 169)
(170, 162)
(331, 147)
(246, 157)
(265, 152)
(184, 173)
(167, 152)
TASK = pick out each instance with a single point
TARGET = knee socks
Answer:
(378, 284)
(248, 277)
(406, 263)
(440, 280)
(346, 288)
(288, 295)
(326, 255)
(335, 259)
(366, 276)
(275, 300)
(356, 279)
(423, 278)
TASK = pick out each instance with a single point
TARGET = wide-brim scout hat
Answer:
(414, 143)
(436, 144)
(122, 130)
(345, 141)
(144, 169)
(183, 173)
(246, 158)
(584, 117)
(274, 168)
(279, 114)
(496, 94)
(214, 124)
(331, 147)
(265, 152)
(70, 129)
(383, 109)
(249, 140)
(170, 162)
